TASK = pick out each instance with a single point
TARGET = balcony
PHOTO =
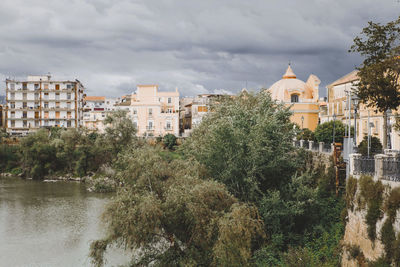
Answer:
(149, 128)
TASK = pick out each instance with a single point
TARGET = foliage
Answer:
(375, 146)
(9, 156)
(392, 203)
(169, 141)
(177, 218)
(378, 85)
(371, 194)
(246, 143)
(324, 132)
(388, 237)
(306, 134)
(351, 189)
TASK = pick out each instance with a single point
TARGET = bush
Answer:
(324, 132)
(375, 146)
(351, 189)
(169, 141)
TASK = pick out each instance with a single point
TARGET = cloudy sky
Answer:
(197, 46)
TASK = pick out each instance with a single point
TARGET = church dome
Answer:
(289, 84)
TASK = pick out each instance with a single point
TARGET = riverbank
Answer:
(95, 182)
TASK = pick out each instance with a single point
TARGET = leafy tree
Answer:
(375, 146)
(324, 132)
(174, 218)
(170, 141)
(306, 134)
(246, 143)
(379, 85)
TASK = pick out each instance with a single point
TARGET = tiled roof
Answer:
(350, 77)
(95, 98)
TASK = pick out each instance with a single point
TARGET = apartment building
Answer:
(338, 106)
(154, 113)
(95, 111)
(40, 101)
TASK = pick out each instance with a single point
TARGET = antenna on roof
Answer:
(289, 63)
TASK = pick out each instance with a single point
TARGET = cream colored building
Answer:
(301, 96)
(95, 111)
(338, 106)
(40, 101)
(155, 113)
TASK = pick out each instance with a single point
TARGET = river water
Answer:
(50, 224)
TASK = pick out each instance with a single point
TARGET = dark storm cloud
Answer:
(197, 46)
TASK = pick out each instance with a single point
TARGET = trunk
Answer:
(384, 139)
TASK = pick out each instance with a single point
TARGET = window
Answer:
(294, 98)
(12, 123)
(168, 125)
(69, 96)
(57, 96)
(24, 124)
(24, 86)
(46, 86)
(70, 86)
(46, 96)
(12, 114)
(169, 100)
(69, 115)
(68, 105)
(135, 111)
(46, 123)
(12, 86)
(150, 111)
(57, 123)
(57, 87)
(36, 86)
(46, 114)
(24, 114)
(57, 104)
(36, 96)
(202, 109)
(12, 105)
(24, 96)
(135, 124)
(12, 96)
(150, 125)
(46, 104)
(68, 123)
(169, 110)
(24, 105)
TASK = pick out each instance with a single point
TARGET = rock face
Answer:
(356, 234)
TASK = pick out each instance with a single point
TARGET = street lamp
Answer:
(302, 121)
(355, 100)
(334, 124)
(389, 143)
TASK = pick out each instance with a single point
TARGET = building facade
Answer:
(338, 105)
(301, 96)
(40, 101)
(95, 111)
(154, 113)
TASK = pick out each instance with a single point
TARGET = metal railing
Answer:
(364, 165)
(391, 169)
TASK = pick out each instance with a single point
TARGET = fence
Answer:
(381, 166)
(314, 146)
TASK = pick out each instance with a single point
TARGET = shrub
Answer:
(170, 141)
(388, 237)
(375, 146)
(351, 189)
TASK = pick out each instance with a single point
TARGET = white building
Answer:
(95, 110)
(40, 101)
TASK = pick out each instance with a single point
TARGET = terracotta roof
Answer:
(95, 98)
(350, 77)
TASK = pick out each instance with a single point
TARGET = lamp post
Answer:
(334, 124)
(355, 100)
(389, 143)
(302, 121)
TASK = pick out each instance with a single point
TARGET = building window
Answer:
(46, 123)
(24, 114)
(46, 96)
(168, 125)
(169, 100)
(294, 98)
(12, 96)
(24, 86)
(36, 86)
(24, 105)
(135, 124)
(150, 111)
(135, 111)
(68, 105)
(12, 105)
(24, 124)
(12, 86)
(57, 87)
(46, 114)
(46, 86)
(70, 86)
(169, 110)
(12, 123)
(24, 96)
(46, 104)
(150, 125)
(69, 96)
(202, 109)
(57, 96)
(12, 114)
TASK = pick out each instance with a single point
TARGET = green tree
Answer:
(324, 132)
(306, 134)
(170, 141)
(247, 144)
(171, 217)
(379, 86)
(375, 146)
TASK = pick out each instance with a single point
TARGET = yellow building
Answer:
(338, 93)
(301, 96)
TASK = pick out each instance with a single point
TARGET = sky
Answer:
(207, 46)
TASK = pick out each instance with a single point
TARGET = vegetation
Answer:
(306, 134)
(351, 189)
(372, 195)
(324, 132)
(378, 86)
(169, 141)
(231, 195)
(375, 146)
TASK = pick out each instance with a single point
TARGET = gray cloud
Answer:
(197, 46)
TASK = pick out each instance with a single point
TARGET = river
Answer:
(50, 224)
